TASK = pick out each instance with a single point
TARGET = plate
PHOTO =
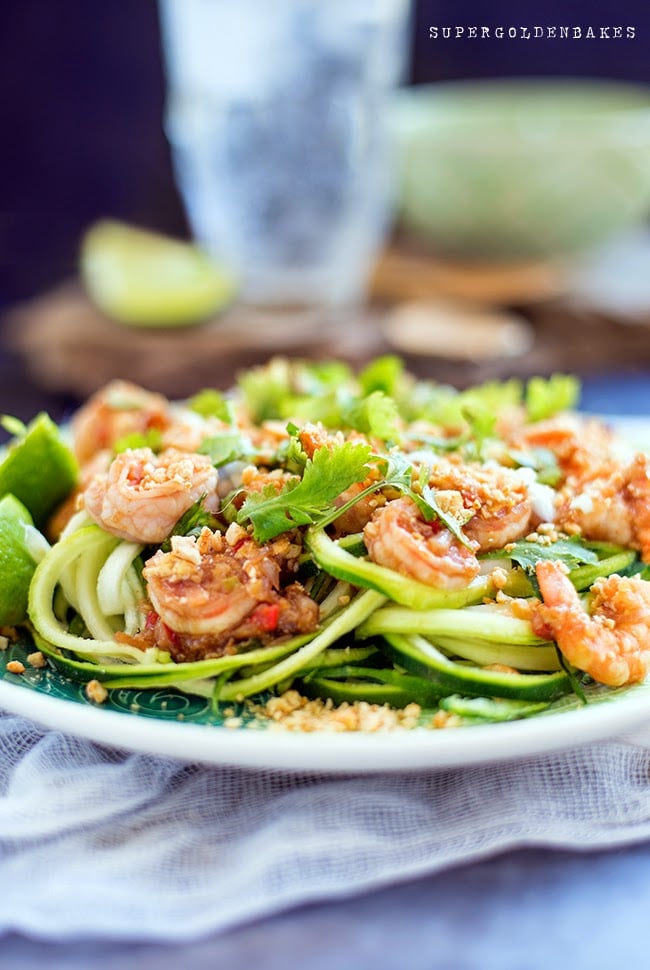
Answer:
(171, 724)
(179, 726)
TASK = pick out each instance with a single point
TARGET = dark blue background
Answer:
(82, 93)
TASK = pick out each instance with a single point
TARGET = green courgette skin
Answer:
(393, 687)
(491, 710)
(421, 658)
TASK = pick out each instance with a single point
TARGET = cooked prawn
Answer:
(218, 588)
(612, 508)
(581, 446)
(188, 431)
(495, 498)
(142, 495)
(612, 641)
(399, 538)
(118, 409)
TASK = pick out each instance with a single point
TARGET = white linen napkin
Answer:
(96, 842)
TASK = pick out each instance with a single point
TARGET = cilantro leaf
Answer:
(191, 523)
(376, 415)
(139, 439)
(527, 554)
(382, 374)
(303, 501)
(284, 389)
(210, 403)
(428, 505)
(546, 397)
(226, 447)
(542, 461)
(399, 474)
(481, 427)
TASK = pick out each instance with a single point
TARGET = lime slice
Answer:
(146, 279)
(39, 468)
(16, 564)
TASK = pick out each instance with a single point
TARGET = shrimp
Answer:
(612, 642)
(612, 508)
(496, 498)
(581, 446)
(142, 495)
(188, 431)
(399, 538)
(118, 409)
(215, 590)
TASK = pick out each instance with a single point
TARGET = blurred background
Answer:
(83, 95)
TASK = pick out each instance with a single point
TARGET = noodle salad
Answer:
(357, 538)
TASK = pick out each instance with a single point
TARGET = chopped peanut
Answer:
(96, 692)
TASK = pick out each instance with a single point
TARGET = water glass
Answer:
(278, 119)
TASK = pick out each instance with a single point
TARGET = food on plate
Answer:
(321, 548)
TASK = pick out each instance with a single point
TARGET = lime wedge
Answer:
(38, 468)
(146, 279)
(16, 564)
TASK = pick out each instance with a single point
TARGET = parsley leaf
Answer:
(303, 501)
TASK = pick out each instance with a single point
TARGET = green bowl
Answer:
(522, 169)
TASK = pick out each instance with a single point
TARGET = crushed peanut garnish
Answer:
(520, 608)
(443, 719)
(16, 667)
(293, 712)
(572, 529)
(548, 529)
(36, 659)
(540, 538)
(96, 692)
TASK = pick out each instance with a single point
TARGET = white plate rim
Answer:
(331, 752)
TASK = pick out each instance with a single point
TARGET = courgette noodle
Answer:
(361, 538)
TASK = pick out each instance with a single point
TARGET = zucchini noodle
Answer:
(359, 538)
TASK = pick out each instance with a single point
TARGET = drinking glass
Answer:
(278, 119)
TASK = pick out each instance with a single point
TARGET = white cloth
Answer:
(96, 842)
